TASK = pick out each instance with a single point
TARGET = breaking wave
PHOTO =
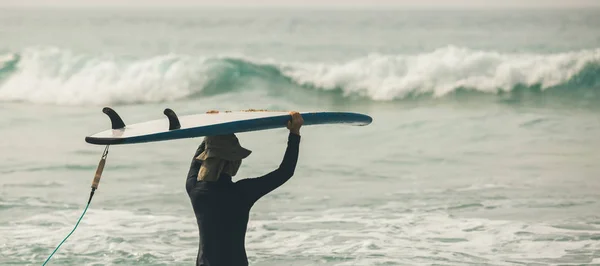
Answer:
(57, 76)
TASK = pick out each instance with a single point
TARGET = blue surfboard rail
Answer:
(248, 125)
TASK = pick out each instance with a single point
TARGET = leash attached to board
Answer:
(98, 174)
(95, 183)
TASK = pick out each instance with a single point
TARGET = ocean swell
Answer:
(57, 76)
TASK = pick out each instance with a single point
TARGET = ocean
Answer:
(484, 146)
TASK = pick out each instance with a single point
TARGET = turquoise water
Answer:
(483, 149)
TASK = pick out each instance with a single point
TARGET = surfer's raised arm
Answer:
(255, 188)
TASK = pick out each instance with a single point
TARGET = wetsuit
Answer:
(222, 208)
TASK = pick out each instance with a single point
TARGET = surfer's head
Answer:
(222, 154)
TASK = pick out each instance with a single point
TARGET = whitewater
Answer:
(483, 149)
(51, 75)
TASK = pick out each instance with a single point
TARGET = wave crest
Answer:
(50, 75)
(443, 71)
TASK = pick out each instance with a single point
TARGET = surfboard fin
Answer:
(173, 120)
(115, 119)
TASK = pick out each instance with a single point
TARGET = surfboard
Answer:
(210, 124)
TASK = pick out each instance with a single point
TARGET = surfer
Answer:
(221, 206)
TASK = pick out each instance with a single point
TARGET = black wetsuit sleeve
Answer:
(192, 175)
(255, 188)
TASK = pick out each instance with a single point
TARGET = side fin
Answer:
(115, 119)
(173, 120)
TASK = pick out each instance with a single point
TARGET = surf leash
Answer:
(95, 183)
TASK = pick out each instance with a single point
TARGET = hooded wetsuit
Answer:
(222, 208)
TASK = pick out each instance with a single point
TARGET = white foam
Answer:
(109, 234)
(51, 75)
(384, 77)
(350, 236)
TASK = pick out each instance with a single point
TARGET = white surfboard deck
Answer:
(218, 123)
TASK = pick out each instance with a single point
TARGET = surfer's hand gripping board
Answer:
(295, 123)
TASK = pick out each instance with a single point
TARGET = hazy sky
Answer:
(310, 3)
